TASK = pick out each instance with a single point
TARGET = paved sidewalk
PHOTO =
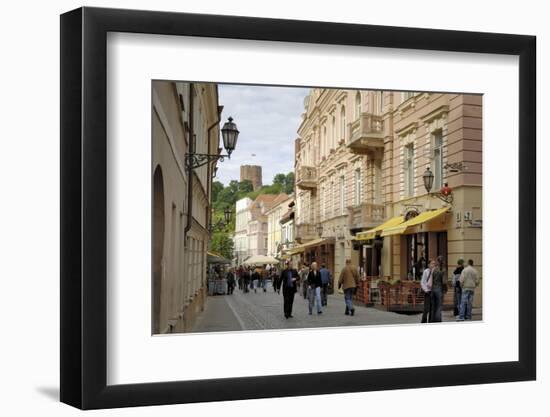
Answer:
(259, 311)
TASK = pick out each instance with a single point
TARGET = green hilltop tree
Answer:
(226, 196)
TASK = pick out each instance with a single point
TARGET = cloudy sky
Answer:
(267, 119)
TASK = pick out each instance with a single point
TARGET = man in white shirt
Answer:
(426, 285)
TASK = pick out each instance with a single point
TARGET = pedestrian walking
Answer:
(230, 277)
(275, 281)
(304, 272)
(264, 275)
(289, 277)
(349, 281)
(239, 277)
(326, 279)
(457, 287)
(255, 279)
(469, 280)
(314, 288)
(439, 289)
(426, 286)
(246, 279)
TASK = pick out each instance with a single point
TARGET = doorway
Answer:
(158, 245)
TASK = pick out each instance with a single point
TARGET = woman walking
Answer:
(314, 284)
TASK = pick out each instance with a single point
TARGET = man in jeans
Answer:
(325, 280)
(469, 280)
(349, 280)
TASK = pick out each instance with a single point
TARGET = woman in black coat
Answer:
(314, 284)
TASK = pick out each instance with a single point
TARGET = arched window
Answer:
(357, 105)
(343, 123)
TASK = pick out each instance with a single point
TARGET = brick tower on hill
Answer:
(252, 173)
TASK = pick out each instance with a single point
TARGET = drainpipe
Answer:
(191, 149)
(209, 175)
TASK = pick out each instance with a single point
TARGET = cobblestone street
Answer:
(259, 311)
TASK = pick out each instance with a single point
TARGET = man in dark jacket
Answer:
(288, 281)
(230, 277)
(326, 279)
(314, 284)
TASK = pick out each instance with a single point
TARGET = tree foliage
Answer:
(226, 196)
(222, 243)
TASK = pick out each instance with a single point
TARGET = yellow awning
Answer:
(371, 234)
(300, 248)
(415, 221)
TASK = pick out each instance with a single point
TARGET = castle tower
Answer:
(252, 173)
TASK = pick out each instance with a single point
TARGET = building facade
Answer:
(360, 161)
(251, 235)
(185, 119)
(277, 233)
(243, 216)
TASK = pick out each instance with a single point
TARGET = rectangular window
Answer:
(333, 136)
(358, 187)
(332, 200)
(409, 170)
(438, 160)
(407, 95)
(378, 182)
(342, 194)
(321, 202)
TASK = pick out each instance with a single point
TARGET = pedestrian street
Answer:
(264, 311)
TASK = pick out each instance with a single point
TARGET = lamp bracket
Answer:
(195, 160)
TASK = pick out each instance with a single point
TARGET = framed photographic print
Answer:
(258, 208)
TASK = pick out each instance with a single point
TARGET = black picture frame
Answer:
(84, 207)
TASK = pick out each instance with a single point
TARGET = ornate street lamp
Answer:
(428, 178)
(444, 194)
(230, 133)
(221, 225)
(227, 215)
(320, 230)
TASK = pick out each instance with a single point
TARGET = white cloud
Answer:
(267, 118)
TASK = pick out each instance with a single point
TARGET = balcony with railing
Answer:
(306, 177)
(366, 134)
(306, 232)
(366, 215)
